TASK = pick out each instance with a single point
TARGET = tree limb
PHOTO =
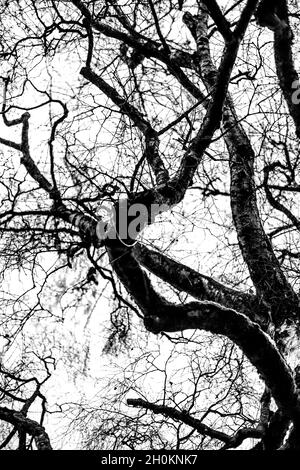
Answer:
(257, 251)
(220, 21)
(199, 286)
(22, 423)
(275, 16)
(151, 136)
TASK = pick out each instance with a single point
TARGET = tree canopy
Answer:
(149, 224)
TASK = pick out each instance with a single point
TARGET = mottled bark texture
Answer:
(200, 286)
(23, 424)
(279, 303)
(247, 320)
(266, 274)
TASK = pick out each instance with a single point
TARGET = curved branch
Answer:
(256, 345)
(22, 423)
(274, 202)
(264, 268)
(163, 316)
(200, 286)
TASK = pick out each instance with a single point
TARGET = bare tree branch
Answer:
(22, 423)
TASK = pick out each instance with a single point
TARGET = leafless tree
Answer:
(193, 107)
